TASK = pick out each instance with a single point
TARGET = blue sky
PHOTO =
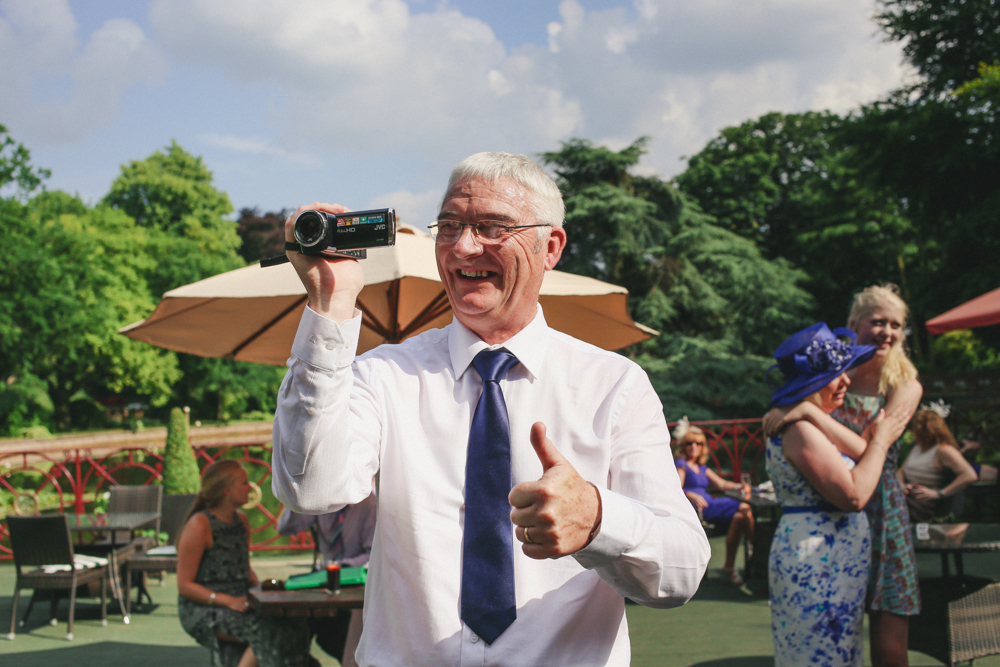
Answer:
(369, 103)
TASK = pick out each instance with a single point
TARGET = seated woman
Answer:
(213, 575)
(697, 478)
(934, 454)
(818, 567)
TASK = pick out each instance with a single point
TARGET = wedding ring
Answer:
(527, 538)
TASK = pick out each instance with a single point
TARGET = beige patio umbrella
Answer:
(251, 314)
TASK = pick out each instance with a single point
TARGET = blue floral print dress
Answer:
(818, 570)
(892, 580)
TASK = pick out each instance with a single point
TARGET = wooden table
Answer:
(960, 616)
(315, 602)
(113, 523)
(306, 601)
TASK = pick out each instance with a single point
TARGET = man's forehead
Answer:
(501, 199)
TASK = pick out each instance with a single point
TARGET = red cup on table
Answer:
(333, 577)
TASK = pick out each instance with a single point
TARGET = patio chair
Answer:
(44, 541)
(147, 498)
(159, 559)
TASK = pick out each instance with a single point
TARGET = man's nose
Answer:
(468, 242)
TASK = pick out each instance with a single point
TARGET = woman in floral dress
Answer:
(818, 567)
(889, 382)
(886, 382)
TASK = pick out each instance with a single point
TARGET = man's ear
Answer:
(554, 247)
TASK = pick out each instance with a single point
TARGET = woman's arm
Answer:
(900, 404)
(682, 473)
(194, 539)
(846, 440)
(716, 482)
(817, 458)
(950, 458)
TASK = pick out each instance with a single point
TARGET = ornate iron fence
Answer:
(70, 473)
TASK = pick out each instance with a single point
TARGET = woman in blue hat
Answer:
(888, 381)
(818, 568)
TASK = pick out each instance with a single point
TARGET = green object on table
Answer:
(349, 576)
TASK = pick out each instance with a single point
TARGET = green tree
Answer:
(263, 234)
(171, 195)
(782, 181)
(936, 146)
(16, 169)
(945, 40)
(180, 469)
(224, 389)
(720, 306)
(73, 276)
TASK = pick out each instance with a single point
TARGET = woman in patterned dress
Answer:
(888, 382)
(213, 575)
(818, 566)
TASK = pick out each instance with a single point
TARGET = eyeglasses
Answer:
(488, 231)
(690, 443)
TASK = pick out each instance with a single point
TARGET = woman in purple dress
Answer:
(696, 480)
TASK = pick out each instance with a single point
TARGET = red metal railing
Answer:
(72, 471)
(69, 473)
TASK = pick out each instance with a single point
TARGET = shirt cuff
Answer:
(325, 344)
(616, 535)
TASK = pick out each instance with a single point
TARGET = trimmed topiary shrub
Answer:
(180, 470)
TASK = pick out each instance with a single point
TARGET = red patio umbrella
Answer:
(980, 312)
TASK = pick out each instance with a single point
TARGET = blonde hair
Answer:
(693, 434)
(215, 479)
(930, 428)
(897, 367)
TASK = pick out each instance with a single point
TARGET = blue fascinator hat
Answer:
(813, 357)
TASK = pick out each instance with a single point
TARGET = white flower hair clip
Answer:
(683, 426)
(938, 406)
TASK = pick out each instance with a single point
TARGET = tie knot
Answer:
(494, 364)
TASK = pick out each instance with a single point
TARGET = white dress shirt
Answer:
(403, 413)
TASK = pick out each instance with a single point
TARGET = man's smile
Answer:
(475, 274)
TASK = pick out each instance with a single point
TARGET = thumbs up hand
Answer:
(556, 514)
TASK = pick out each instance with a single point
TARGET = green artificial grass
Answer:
(723, 626)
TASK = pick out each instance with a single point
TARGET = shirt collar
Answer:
(528, 345)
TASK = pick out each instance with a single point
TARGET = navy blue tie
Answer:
(488, 603)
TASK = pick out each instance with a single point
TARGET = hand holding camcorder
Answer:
(340, 235)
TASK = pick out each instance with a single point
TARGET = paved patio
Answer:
(722, 627)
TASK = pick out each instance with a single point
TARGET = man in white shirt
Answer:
(589, 460)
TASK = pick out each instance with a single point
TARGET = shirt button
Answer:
(331, 346)
(474, 638)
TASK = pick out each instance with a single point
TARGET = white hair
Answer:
(545, 199)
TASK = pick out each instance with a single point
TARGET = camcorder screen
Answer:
(363, 229)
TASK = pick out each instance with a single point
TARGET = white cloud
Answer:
(56, 90)
(416, 209)
(371, 77)
(260, 147)
(690, 67)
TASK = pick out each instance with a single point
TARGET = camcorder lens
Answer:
(310, 228)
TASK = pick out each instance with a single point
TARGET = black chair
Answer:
(162, 559)
(45, 541)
